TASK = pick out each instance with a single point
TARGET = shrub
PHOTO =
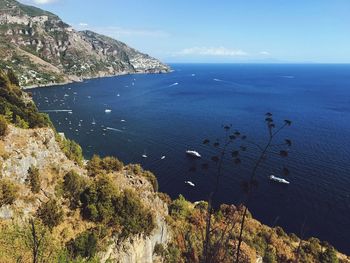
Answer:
(97, 200)
(84, 245)
(180, 208)
(8, 192)
(159, 250)
(111, 164)
(270, 256)
(50, 213)
(132, 215)
(102, 203)
(33, 179)
(3, 126)
(280, 232)
(94, 165)
(329, 256)
(21, 123)
(134, 168)
(72, 150)
(73, 186)
(12, 77)
(173, 254)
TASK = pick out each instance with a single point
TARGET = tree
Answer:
(33, 179)
(73, 186)
(50, 213)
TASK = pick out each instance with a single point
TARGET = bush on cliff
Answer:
(50, 213)
(73, 186)
(8, 192)
(103, 203)
(3, 126)
(33, 179)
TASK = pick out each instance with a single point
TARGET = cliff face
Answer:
(21, 149)
(42, 49)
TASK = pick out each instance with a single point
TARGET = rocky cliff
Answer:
(42, 49)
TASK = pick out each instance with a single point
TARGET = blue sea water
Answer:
(166, 114)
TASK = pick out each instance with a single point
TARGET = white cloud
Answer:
(211, 51)
(264, 53)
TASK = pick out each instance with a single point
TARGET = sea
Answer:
(161, 116)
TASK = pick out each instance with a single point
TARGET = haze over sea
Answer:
(167, 114)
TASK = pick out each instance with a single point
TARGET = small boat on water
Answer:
(193, 153)
(108, 111)
(278, 179)
(93, 121)
(144, 156)
(190, 183)
(163, 157)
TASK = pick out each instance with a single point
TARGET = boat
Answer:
(118, 95)
(144, 156)
(122, 120)
(163, 157)
(193, 153)
(278, 179)
(93, 121)
(108, 111)
(190, 183)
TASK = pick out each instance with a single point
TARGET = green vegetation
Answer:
(84, 245)
(3, 126)
(108, 164)
(33, 179)
(71, 149)
(13, 106)
(102, 202)
(73, 186)
(8, 192)
(50, 213)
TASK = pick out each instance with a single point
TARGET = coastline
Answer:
(77, 80)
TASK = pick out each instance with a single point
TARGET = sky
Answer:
(227, 31)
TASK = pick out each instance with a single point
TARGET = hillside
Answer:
(57, 207)
(42, 49)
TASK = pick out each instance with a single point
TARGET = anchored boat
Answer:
(278, 179)
(193, 153)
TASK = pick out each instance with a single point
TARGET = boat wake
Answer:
(174, 84)
(113, 129)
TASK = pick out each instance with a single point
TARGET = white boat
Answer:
(122, 120)
(108, 111)
(163, 157)
(189, 183)
(193, 153)
(93, 121)
(118, 95)
(278, 180)
(144, 156)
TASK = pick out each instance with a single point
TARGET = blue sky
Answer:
(218, 31)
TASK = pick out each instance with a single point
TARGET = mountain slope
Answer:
(42, 49)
